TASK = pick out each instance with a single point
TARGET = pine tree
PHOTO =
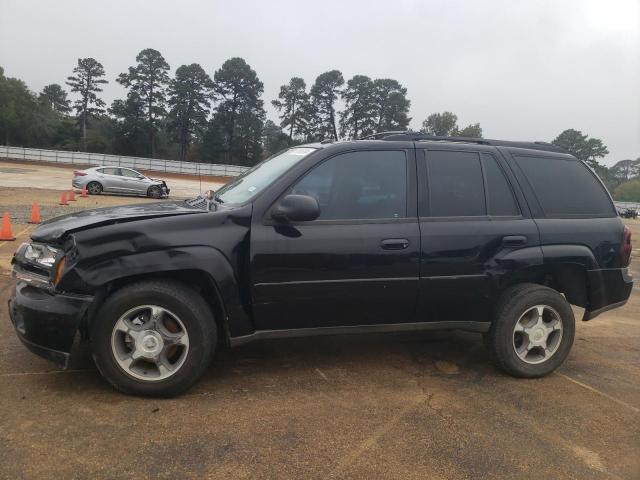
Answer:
(324, 93)
(358, 117)
(55, 98)
(148, 81)
(86, 82)
(391, 105)
(189, 102)
(235, 131)
(292, 104)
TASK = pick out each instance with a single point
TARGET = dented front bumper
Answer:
(47, 322)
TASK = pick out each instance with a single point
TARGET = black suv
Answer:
(400, 233)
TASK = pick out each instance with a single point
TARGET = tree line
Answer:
(193, 116)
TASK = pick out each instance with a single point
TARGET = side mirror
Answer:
(296, 208)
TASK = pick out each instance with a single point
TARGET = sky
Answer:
(524, 69)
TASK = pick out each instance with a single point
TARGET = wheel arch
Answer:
(203, 269)
(568, 278)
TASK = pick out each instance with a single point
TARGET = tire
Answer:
(183, 308)
(154, 192)
(515, 330)
(94, 188)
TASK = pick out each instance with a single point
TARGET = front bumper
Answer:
(608, 289)
(47, 322)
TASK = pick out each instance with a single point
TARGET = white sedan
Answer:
(119, 180)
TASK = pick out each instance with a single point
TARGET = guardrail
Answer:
(138, 163)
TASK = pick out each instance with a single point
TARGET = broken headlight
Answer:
(42, 255)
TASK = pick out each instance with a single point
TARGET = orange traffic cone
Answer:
(72, 195)
(63, 198)
(5, 232)
(35, 213)
(84, 192)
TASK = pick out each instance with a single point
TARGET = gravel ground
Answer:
(406, 406)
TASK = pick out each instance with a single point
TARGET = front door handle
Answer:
(514, 240)
(394, 243)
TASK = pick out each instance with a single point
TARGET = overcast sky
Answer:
(526, 70)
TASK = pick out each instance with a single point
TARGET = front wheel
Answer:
(154, 191)
(153, 338)
(532, 332)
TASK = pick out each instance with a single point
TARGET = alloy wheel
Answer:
(537, 334)
(149, 343)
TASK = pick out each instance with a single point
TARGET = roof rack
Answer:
(417, 136)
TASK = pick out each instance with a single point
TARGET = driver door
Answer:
(132, 181)
(358, 263)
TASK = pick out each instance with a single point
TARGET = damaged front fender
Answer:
(165, 246)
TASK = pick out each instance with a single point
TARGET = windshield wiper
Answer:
(217, 198)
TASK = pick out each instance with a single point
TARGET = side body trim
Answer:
(387, 327)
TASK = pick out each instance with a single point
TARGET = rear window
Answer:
(565, 187)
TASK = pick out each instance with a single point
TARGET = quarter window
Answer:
(359, 185)
(565, 187)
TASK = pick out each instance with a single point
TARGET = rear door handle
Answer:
(514, 240)
(394, 243)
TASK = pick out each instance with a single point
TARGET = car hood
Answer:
(53, 230)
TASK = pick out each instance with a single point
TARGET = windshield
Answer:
(256, 179)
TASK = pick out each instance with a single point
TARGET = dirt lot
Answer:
(426, 406)
(58, 177)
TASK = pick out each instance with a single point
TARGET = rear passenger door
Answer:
(471, 223)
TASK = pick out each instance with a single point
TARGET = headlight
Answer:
(43, 255)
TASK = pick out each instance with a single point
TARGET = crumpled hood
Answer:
(53, 230)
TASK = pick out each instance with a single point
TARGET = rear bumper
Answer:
(78, 182)
(608, 289)
(45, 322)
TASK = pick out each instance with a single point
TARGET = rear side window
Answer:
(499, 194)
(456, 187)
(359, 185)
(565, 188)
(125, 172)
(111, 171)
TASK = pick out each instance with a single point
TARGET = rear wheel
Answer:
(154, 191)
(153, 338)
(94, 188)
(532, 332)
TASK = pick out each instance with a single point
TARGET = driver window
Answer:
(359, 185)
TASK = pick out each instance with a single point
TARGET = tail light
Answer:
(625, 249)
(78, 173)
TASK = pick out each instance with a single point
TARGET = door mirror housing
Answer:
(296, 208)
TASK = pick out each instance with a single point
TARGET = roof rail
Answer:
(418, 136)
(381, 135)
